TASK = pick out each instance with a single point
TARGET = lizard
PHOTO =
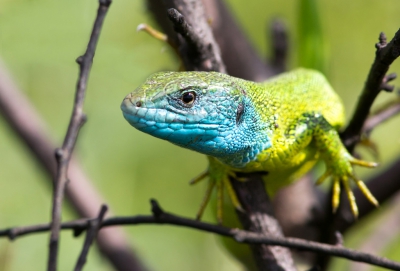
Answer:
(281, 126)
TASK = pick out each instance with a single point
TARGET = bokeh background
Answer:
(39, 42)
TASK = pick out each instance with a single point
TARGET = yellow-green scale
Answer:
(282, 102)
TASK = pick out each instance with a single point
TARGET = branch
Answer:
(238, 54)
(255, 219)
(161, 217)
(385, 185)
(198, 49)
(92, 230)
(388, 111)
(78, 118)
(377, 80)
(296, 215)
(344, 219)
(258, 217)
(280, 44)
(386, 53)
(332, 250)
(27, 124)
(382, 236)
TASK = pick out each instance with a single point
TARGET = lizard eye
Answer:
(188, 98)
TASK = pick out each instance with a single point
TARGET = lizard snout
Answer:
(130, 101)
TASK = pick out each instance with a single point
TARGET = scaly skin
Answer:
(281, 126)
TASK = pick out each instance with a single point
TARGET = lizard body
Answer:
(281, 127)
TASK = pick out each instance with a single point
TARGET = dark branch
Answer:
(381, 237)
(198, 49)
(382, 82)
(332, 250)
(26, 123)
(161, 217)
(78, 118)
(92, 230)
(238, 54)
(258, 217)
(385, 55)
(280, 44)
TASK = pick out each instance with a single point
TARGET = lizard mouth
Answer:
(163, 122)
(138, 115)
(142, 114)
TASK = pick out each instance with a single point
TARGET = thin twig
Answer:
(30, 128)
(386, 53)
(159, 36)
(388, 111)
(78, 118)
(161, 217)
(93, 228)
(385, 86)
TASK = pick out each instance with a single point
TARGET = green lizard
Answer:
(282, 126)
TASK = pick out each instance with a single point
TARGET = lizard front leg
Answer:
(218, 178)
(339, 162)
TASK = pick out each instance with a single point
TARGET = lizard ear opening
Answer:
(239, 113)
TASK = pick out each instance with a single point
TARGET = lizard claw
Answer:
(362, 163)
(364, 189)
(199, 178)
(350, 196)
(342, 172)
(207, 195)
(218, 179)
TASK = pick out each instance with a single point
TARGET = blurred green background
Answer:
(39, 42)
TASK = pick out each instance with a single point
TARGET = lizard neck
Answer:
(253, 131)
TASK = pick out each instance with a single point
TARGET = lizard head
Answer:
(207, 112)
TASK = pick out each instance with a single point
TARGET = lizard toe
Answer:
(350, 196)
(364, 189)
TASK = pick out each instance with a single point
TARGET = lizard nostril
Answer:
(138, 104)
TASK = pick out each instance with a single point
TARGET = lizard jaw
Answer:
(163, 123)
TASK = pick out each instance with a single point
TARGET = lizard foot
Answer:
(218, 176)
(342, 172)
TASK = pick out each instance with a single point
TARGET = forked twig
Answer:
(92, 230)
(161, 217)
(388, 111)
(386, 53)
(78, 118)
